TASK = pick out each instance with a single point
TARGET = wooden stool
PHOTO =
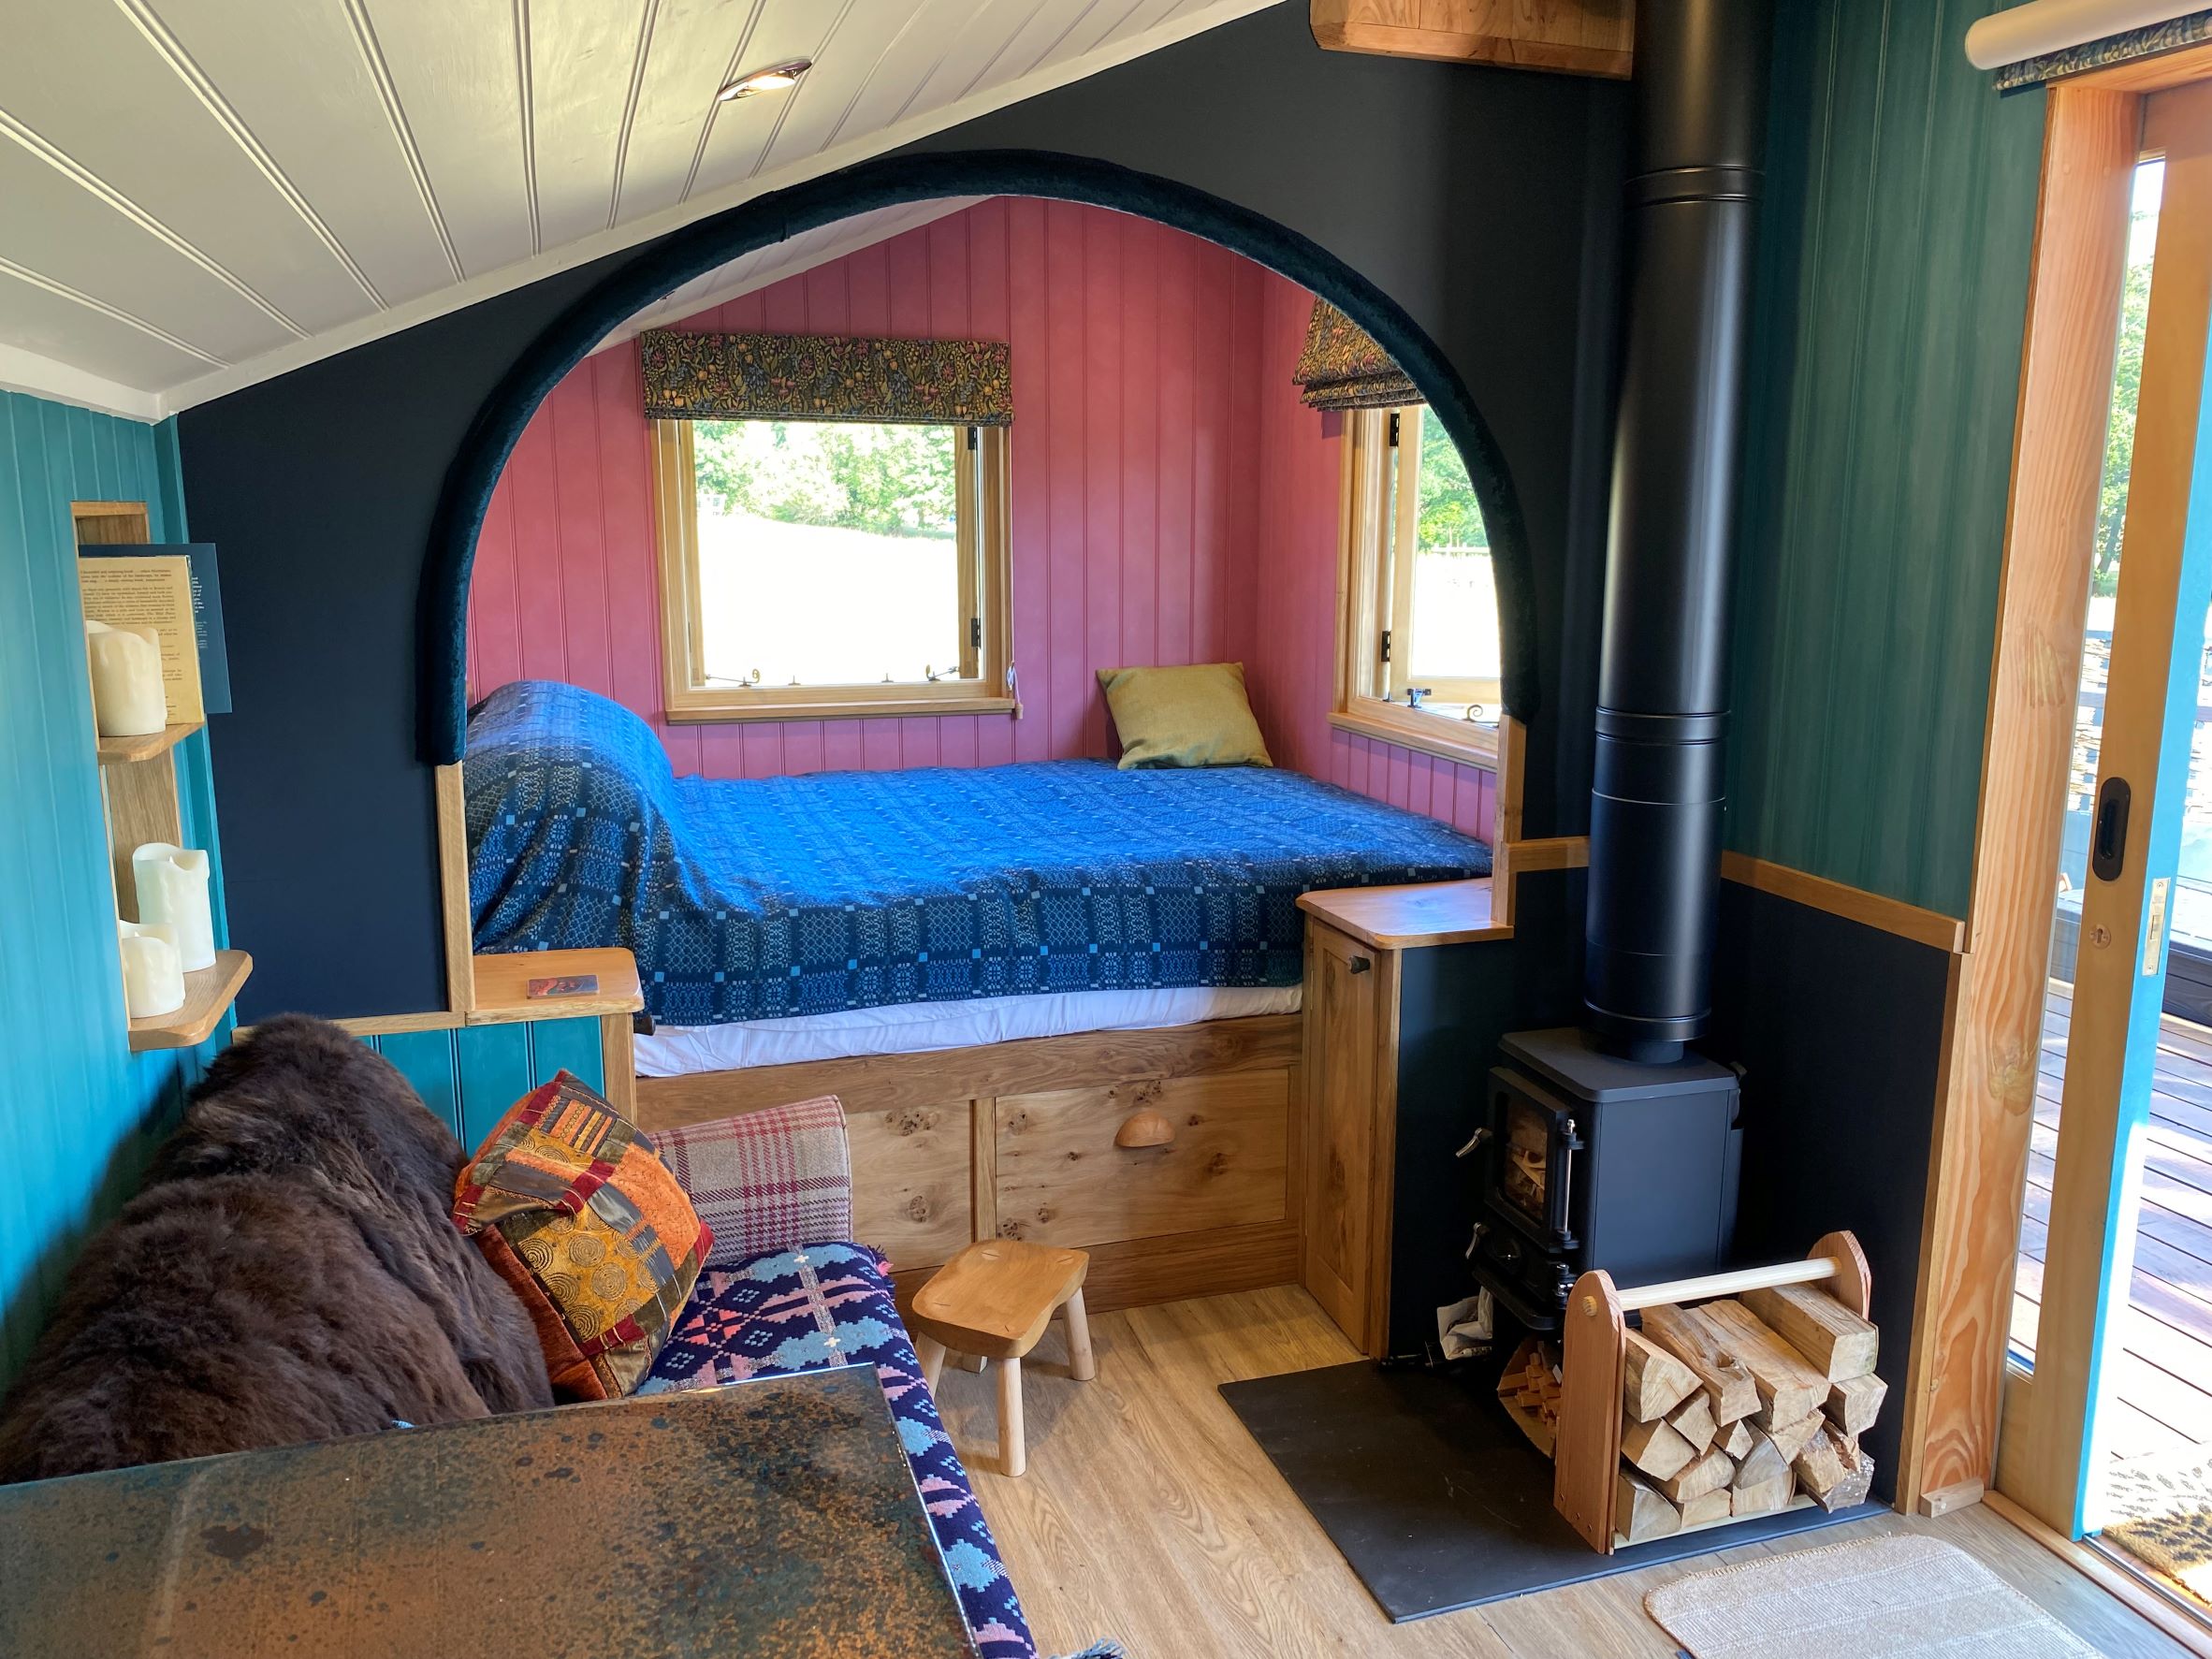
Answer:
(993, 1300)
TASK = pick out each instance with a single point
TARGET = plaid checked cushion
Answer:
(570, 1207)
(763, 1181)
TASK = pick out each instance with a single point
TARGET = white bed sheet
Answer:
(917, 1027)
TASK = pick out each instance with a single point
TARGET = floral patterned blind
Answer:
(822, 377)
(1341, 367)
(2152, 40)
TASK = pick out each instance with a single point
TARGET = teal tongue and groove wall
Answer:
(78, 1112)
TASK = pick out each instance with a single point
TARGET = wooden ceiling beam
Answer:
(1571, 37)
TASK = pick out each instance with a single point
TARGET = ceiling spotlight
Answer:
(776, 78)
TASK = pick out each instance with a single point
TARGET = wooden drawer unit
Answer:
(1061, 1180)
(911, 1191)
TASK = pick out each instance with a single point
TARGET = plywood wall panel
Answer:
(81, 1112)
(1891, 299)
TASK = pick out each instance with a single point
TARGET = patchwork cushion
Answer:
(830, 1305)
(765, 1179)
(570, 1205)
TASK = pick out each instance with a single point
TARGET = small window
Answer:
(1419, 635)
(813, 569)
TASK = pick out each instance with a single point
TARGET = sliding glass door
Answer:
(2114, 1310)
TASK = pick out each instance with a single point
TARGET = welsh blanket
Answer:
(775, 896)
(830, 1305)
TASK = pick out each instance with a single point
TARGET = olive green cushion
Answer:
(1184, 717)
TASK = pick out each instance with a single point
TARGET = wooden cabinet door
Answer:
(1351, 1058)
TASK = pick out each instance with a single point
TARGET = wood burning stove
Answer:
(1588, 1159)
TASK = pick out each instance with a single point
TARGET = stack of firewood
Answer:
(1732, 1408)
(1530, 1386)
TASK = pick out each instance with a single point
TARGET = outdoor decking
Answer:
(2162, 1393)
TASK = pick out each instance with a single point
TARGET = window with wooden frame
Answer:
(815, 569)
(1417, 651)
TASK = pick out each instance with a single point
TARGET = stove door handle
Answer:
(1474, 1143)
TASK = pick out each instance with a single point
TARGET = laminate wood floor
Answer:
(1149, 1515)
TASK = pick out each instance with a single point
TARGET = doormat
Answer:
(2161, 1509)
(1434, 1495)
(1877, 1599)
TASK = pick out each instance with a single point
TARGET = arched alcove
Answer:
(701, 247)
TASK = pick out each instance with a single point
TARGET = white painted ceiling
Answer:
(197, 194)
(793, 257)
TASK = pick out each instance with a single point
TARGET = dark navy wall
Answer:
(1481, 200)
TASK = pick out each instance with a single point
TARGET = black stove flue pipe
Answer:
(1698, 136)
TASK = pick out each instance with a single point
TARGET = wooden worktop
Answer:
(1405, 918)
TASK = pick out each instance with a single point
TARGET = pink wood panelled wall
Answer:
(1159, 456)
(1291, 675)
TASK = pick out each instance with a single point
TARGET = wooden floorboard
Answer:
(1150, 1515)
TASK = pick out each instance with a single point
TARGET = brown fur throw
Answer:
(290, 1272)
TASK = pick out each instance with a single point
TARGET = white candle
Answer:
(127, 696)
(172, 883)
(152, 977)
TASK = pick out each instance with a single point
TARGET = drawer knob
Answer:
(1144, 1129)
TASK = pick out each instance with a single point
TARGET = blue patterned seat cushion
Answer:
(770, 897)
(830, 1305)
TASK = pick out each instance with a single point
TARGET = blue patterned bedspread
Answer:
(746, 900)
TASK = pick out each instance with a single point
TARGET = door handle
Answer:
(2108, 848)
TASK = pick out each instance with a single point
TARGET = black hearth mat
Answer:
(1434, 1497)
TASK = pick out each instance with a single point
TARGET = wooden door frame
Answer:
(2150, 701)
(1956, 1381)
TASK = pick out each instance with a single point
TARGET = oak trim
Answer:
(689, 697)
(397, 1025)
(1571, 37)
(1409, 917)
(881, 1082)
(2145, 742)
(455, 912)
(1410, 728)
(1993, 1025)
(1854, 904)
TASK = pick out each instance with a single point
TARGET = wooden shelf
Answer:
(208, 996)
(503, 985)
(115, 750)
(1403, 918)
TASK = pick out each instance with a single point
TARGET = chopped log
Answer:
(1792, 1438)
(1700, 1345)
(1656, 1448)
(1834, 1470)
(1789, 1390)
(1736, 1440)
(1854, 1404)
(1716, 1505)
(1837, 1342)
(1642, 1514)
(1653, 1382)
(1709, 1472)
(1766, 1498)
(1762, 1464)
(1693, 1420)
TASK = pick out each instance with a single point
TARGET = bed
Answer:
(996, 970)
(764, 900)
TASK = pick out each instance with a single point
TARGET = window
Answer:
(1418, 660)
(825, 568)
